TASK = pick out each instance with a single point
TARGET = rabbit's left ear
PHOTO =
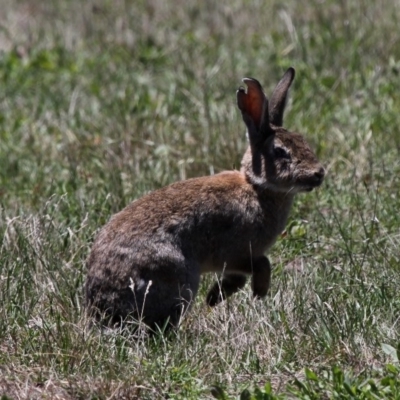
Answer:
(279, 98)
(254, 107)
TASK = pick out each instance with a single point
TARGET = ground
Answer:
(102, 102)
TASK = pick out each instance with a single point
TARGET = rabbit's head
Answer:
(276, 160)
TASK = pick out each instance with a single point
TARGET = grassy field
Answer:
(103, 101)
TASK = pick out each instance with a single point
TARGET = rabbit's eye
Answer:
(279, 152)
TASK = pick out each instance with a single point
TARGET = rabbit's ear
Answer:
(279, 97)
(254, 107)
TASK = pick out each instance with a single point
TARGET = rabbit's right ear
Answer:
(254, 107)
(279, 98)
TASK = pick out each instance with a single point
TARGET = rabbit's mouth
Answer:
(307, 189)
(310, 185)
(314, 181)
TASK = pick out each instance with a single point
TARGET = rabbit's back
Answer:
(217, 219)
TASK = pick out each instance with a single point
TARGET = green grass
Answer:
(101, 102)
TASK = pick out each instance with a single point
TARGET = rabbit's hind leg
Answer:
(108, 304)
(225, 287)
(166, 303)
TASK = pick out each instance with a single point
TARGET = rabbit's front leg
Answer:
(261, 276)
(225, 287)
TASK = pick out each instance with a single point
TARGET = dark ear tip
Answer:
(291, 71)
(252, 84)
(251, 81)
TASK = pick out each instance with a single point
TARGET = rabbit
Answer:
(146, 262)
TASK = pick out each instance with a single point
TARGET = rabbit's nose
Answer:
(319, 174)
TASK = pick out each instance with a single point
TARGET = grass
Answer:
(104, 101)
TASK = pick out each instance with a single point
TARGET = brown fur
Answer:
(147, 261)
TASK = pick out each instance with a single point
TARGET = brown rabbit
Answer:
(147, 261)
